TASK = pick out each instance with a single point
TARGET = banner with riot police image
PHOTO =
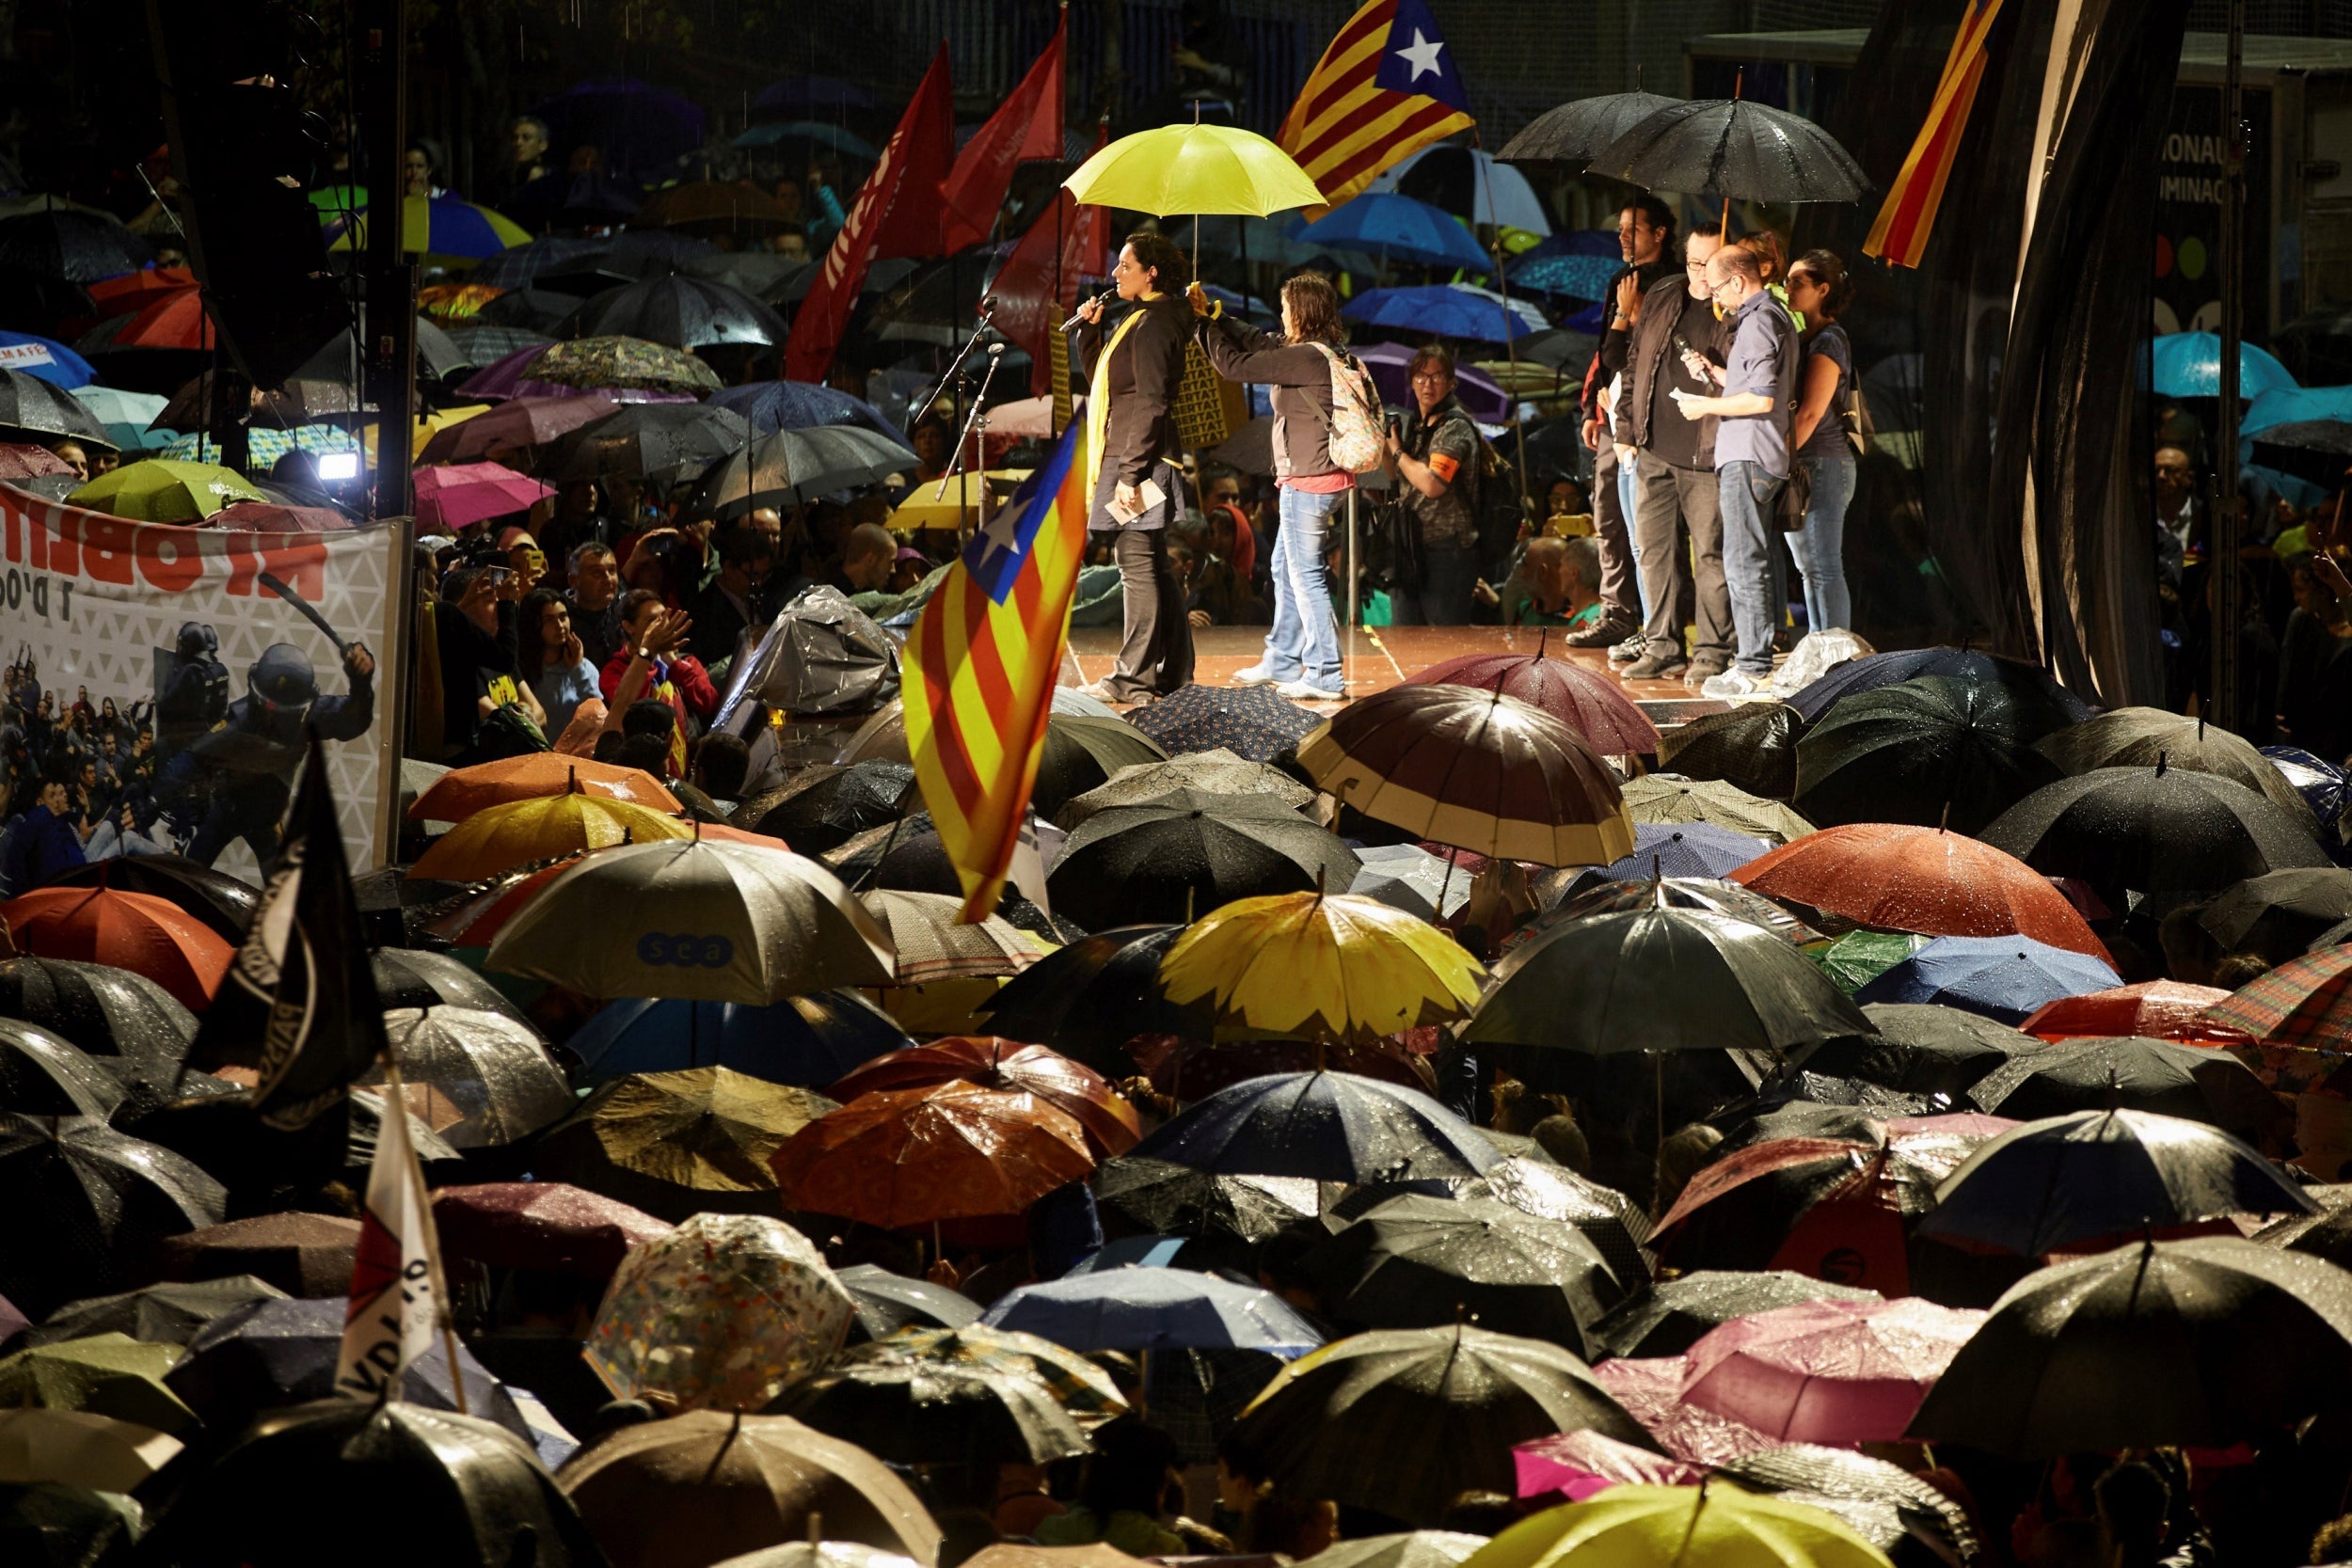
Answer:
(163, 677)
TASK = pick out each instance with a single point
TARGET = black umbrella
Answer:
(658, 441)
(110, 1013)
(1877, 670)
(1328, 1126)
(41, 1075)
(1672, 1315)
(222, 902)
(788, 466)
(494, 1072)
(887, 1301)
(1157, 1198)
(586, 199)
(1402, 1421)
(533, 311)
(1091, 997)
(1614, 1223)
(1187, 853)
(2197, 1343)
(30, 406)
(1912, 1523)
(1733, 148)
(1247, 720)
(2058, 1183)
(914, 1409)
(73, 244)
(168, 1314)
(517, 266)
(1934, 750)
(2145, 737)
(1710, 893)
(85, 1203)
(1422, 1262)
(2280, 915)
(405, 977)
(2195, 1082)
(828, 805)
(1249, 449)
(681, 311)
(1082, 752)
(2326, 1234)
(1576, 132)
(2158, 829)
(1753, 748)
(1919, 1049)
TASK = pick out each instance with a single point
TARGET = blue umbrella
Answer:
(2293, 405)
(2321, 783)
(127, 416)
(2002, 977)
(2188, 365)
(1443, 310)
(1873, 671)
(841, 141)
(1388, 226)
(1571, 276)
(50, 361)
(1684, 849)
(803, 1040)
(1330, 1125)
(1155, 1309)
(774, 406)
(1134, 1252)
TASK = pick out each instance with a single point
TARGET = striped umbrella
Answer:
(440, 227)
(2305, 1002)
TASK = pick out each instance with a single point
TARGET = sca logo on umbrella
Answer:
(684, 950)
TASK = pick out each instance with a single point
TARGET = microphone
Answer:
(1102, 298)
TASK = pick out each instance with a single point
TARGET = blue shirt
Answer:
(1764, 361)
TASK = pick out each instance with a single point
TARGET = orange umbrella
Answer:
(174, 319)
(136, 932)
(1923, 880)
(135, 290)
(909, 1157)
(475, 922)
(1110, 1123)
(725, 834)
(2157, 1009)
(458, 794)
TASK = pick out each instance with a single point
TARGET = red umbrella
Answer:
(2153, 1008)
(171, 320)
(19, 460)
(516, 428)
(541, 1224)
(1110, 1123)
(134, 291)
(1592, 705)
(275, 518)
(726, 834)
(1923, 880)
(1834, 1373)
(136, 932)
(461, 494)
(910, 1157)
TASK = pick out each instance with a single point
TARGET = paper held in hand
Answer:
(1147, 496)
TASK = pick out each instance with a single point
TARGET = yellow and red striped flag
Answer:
(980, 670)
(1908, 215)
(1386, 88)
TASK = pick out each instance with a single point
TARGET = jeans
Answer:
(1305, 642)
(1746, 493)
(1628, 474)
(1820, 549)
(1447, 573)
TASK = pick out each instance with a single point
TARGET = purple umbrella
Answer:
(506, 379)
(1478, 392)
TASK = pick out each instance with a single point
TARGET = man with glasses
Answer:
(1646, 237)
(1674, 472)
(1434, 456)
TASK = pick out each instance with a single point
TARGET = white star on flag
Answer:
(1422, 54)
(1003, 533)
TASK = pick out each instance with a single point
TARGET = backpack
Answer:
(1353, 430)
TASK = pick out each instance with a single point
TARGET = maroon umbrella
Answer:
(275, 518)
(1591, 703)
(541, 1224)
(1195, 1070)
(21, 460)
(518, 427)
(303, 1255)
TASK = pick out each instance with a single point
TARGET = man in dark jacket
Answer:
(1131, 412)
(1674, 471)
(1646, 236)
(42, 845)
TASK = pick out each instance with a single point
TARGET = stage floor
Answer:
(1379, 657)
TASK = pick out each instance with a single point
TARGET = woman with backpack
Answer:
(1324, 434)
(1819, 288)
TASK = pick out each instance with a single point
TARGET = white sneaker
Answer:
(1732, 684)
(1631, 649)
(1306, 691)
(1257, 675)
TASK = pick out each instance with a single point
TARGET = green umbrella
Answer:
(1858, 957)
(107, 1375)
(623, 362)
(675, 1144)
(2137, 736)
(1671, 797)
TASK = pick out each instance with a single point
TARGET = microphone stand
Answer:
(975, 425)
(955, 366)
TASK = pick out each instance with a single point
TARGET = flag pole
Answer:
(396, 1105)
(1503, 286)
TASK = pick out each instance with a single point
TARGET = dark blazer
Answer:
(1667, 310)
(1140, 429)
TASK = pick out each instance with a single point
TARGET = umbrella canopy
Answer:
(543, 1225)
(167, 1314)
(1593, 895)
(2155, 1009)
(674, 1144)
(1672, 1315)
(2049, 701)
(1137, 1309)
(1835, 1372)
(660, 442)
(2002, 977)
(1194, 168)
(73, 1449)
(1858, 957)
(788, 466)
(723, 1313)
(1333, 968)
(2191, 1082)
(31, 407)
(1753, 749)
(107, 1374)
(915, 1156)
(1248, 721)
(2321, 784)
(2188, 365)
(1385, 225)
(1404, 1421)
(301, 1255)
(1920, 1049)
(1080, 753)
(1328, 1126)
(1935, 750)
(2305, 1002)
(679, 311)
(1575, 133)
(1733, 148)
(407, 978)
(887, 1301)
(1161, 1198)
(156, 490)
(1582, 1464)
(2279, 913)
(136, 932)
(927, 932)
(827, 807)
(2059, 1183)
(2142, 736)
(2154, 829)
(973, 1396)
(22, 461)
(1408, 878)
(494, 840)
(42, 1075)
(1588, 703)
(1422, 1262)
(441, 227)
(493, 1070)
(698, 921)
(1215, 771)
(1639, 1526)
(79, 244)
(460, 793)
(1667, 797)
(1660, 979)
(1420, 1548)
(1192, 851)
(458, 494)
(1476, 771)
(2202, 1342)
(619, 362)
(1913, 878)
(90, 1202)
(692, 1490)
(808, 1039)
(42, 359)
(769, 406)
(1091, 997)
(514, 430)
(1447, 310)
(1691, 849)
(1109, 1121)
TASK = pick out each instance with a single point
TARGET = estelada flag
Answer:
(1386, 88)
(896, 214)
(980, 670)
(1907, 217)
(1028, 124)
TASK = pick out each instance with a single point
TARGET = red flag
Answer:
(1026, 125)
(1034, 293)
(896, 213)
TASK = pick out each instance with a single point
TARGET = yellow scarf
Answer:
(1099, 400)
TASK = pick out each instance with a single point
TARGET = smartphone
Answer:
(499, 574)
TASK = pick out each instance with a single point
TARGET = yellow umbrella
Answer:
(920, 511)
(1712, 1525)
(497, 839)
(1194, 168)
(73, 1448)
(161, 490)
(429, 423)
(1335, 966)
(449, 231)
